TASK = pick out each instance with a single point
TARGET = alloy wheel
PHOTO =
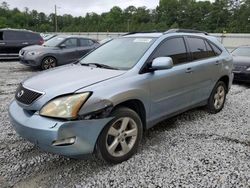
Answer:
(49, 63)
(219, 97)
(121, 137)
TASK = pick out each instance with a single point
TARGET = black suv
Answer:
(13, 40)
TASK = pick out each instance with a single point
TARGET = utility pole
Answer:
(128, 25)
(55, 18)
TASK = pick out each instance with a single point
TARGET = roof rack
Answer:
(134, 32)
(185, 31)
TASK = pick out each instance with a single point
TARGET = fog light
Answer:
(64, 142)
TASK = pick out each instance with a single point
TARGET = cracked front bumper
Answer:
(44, 131)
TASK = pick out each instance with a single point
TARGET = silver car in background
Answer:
(59, 50)
(104, 103)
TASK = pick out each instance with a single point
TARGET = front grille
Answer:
(26, 96)
(240, 68)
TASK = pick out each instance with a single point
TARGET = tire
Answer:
(217, 98)
(116, 132)
(48, 63)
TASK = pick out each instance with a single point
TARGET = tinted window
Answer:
(84, 42)
(216, 50)
(199, 48)
(71, 43)
(1, 35)
(14, 35)
(210, 51)
(174, 48)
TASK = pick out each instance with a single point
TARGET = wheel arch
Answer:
(225, 79)
(136, 105)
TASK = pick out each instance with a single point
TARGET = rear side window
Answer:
(15, 35)
(174, 48)
(200, 48)
(86, 42)
(21, 35)
(1, 35)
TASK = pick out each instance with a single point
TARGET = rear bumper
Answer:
(242, 76)
(44, 131)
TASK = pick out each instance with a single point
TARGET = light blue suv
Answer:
(103, 103)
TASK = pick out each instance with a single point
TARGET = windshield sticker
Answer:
(144, 40)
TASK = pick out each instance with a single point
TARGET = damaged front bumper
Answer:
(68, 138)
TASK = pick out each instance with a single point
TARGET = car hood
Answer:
(68, 79)
(241, 60)
(38, 48)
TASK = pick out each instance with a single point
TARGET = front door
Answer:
(69, 52)
(171, 89)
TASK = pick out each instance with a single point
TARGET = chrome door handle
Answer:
(2, 43)
(189, 70)
(25, 43)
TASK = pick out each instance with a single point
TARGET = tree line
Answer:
(231, 16)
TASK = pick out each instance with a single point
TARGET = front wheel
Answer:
(48, 63)
(217, 98)
(120, 138)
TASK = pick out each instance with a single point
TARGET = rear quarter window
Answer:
(216, 49)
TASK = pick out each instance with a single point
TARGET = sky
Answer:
(78, 7)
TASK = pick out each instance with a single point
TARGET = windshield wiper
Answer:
(99, 65)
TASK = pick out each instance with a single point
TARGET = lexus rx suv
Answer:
(103, 103)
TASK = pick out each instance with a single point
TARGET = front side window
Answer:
(121, 53)
(174, 48)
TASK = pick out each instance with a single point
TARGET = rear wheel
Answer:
(217, 98)
(48, 63)
(119, 140)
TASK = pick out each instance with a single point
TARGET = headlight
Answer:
(64, 107)
(248, 69)
(33, 53)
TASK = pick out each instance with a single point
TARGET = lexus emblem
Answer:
(20, 93)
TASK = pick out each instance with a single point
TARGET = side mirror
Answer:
(162, 63)
(62, 46)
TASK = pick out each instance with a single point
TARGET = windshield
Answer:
(122, 53)
(54, 41)
(243, 51)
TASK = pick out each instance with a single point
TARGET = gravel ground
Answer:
(194, 149)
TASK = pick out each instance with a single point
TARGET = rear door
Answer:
(69, 52)
(85, 45)
(205, 67)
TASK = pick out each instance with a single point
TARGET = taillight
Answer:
(41, 42)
